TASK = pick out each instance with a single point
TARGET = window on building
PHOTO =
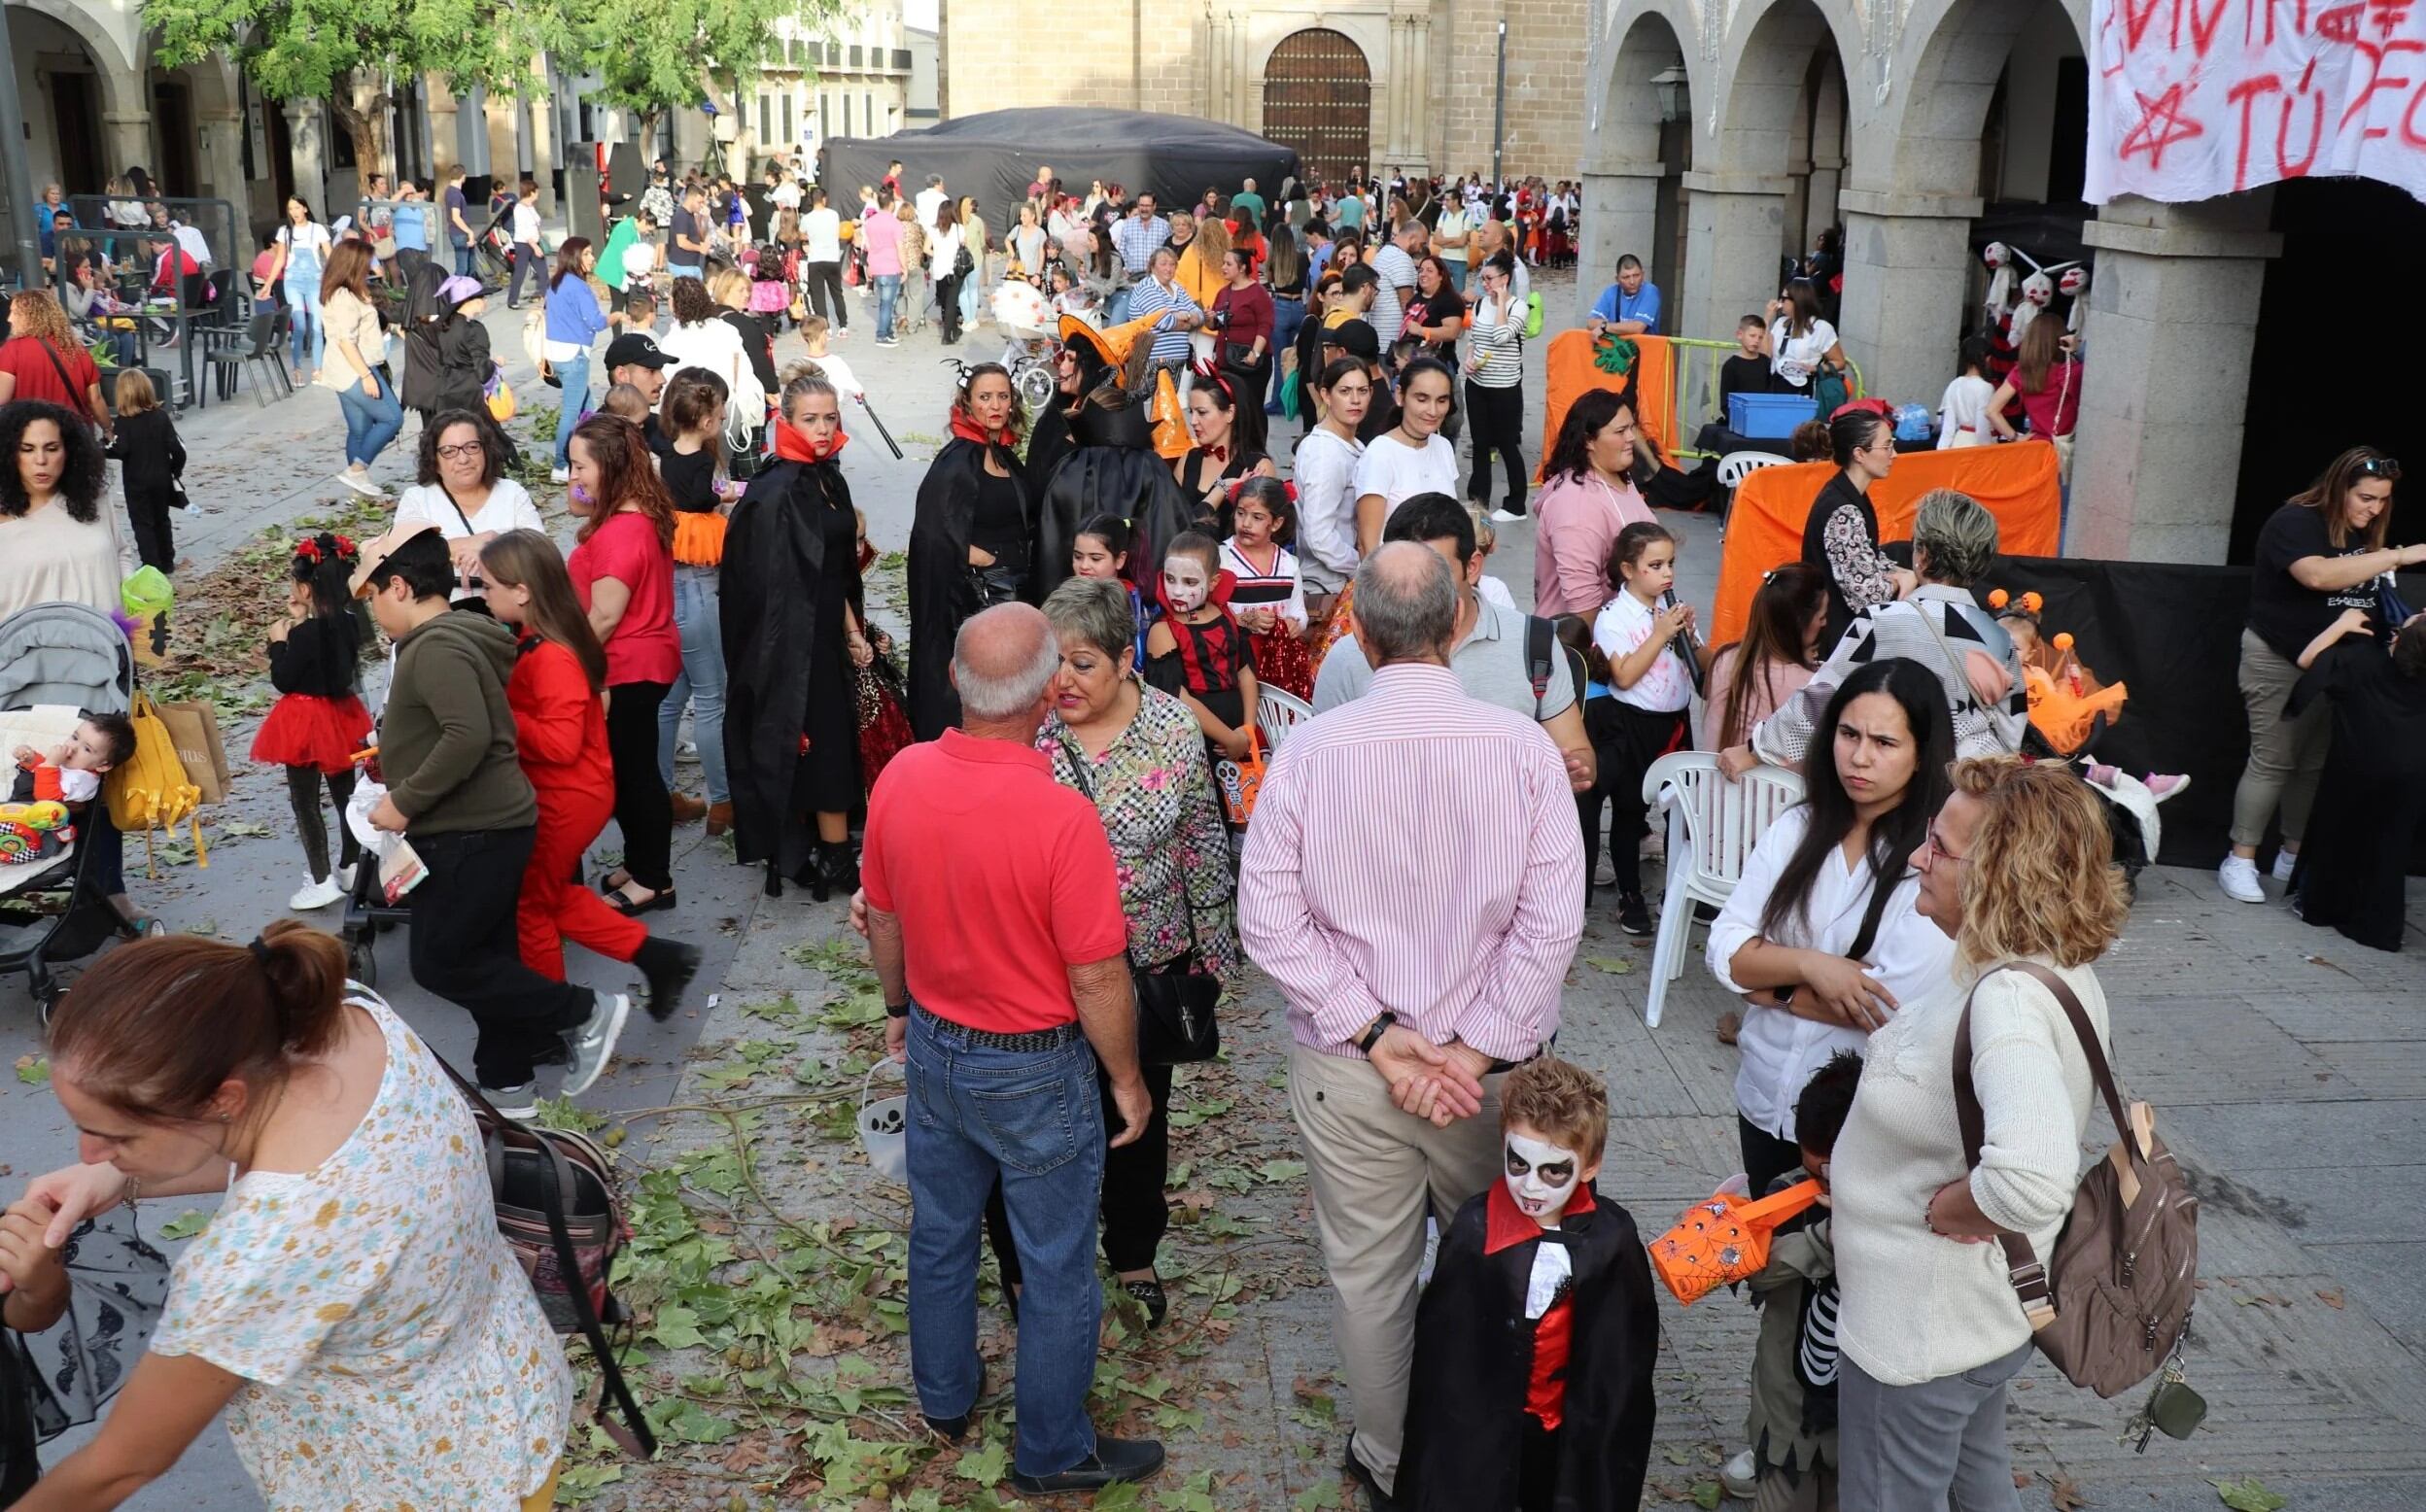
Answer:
(825, 114)
(787, 115)
(857, 56)
(766, 120)
(846, 131)
(867, 112)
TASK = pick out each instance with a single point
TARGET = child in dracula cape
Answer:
(1534, 1343)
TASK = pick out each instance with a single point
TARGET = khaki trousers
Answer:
(1376, 1171)
(2286, 756)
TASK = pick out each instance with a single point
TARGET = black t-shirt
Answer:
(998, 526)
(1741, 374)
(692, 226)
(691, 478)
(2285, 615)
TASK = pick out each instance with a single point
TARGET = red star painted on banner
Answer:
(2162, 123)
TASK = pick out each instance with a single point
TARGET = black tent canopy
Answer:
(995, 155)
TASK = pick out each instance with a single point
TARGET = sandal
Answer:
(621, 903)
(616, 880)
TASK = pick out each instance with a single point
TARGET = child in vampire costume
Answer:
(1535, 1341)
(1093, 450)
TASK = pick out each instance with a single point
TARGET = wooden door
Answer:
(1318, 98)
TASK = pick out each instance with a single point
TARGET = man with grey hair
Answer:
(1005, 972)
(1419, 920)
(1940, 626)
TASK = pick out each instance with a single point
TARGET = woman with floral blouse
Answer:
(1140, 755)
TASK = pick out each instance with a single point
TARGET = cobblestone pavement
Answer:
(2288, 1065)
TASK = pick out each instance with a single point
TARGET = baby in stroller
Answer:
(52, 786)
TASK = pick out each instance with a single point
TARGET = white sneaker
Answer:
(518, 1103)
(594, 1042)
(343, 876)
(1605, 874)
(1505, 516)
(360, 483)
(1740, 1475)
(559, 475)
(316, 894)
(2284, 861)
(2237, 877)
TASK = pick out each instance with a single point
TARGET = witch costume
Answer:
(960, 503)
(2369, 806)
(1547, 1413)
(791, 730)
(1096, 454)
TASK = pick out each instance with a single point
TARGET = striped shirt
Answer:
(1380, 874)
(1170, 343)
(1495, 350)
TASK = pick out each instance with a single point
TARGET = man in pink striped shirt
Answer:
(1414, 882)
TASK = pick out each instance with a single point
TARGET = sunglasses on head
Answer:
(2384, 467)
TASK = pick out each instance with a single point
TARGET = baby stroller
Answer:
(1027, 320)
(57, 658)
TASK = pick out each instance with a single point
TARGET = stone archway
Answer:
(85, 112)
(1634, 154)
(1318, 90)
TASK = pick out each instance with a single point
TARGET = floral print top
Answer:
(1169, 846)
(393, 1353)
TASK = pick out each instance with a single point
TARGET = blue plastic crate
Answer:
(1769, 415)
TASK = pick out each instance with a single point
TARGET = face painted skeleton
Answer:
(1185, 583)
(1542, 1178)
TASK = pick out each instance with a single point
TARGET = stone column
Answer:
(1397, 82)
(130, 134)
(1821, 202)
(306, 151)
(1621, 214)
(1735, 223)
(1907, 280)
(219, 151)
(2172, 321)
(1421, 128)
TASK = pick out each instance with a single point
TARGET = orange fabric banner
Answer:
(2017, 483)
(1568, 368)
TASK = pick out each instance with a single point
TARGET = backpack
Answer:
(2111, 1305)
(149, 790)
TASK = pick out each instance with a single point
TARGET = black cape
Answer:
(942, 592)
(1101, 462)
(1473, 1362)
(2370, 803)
(768, 585)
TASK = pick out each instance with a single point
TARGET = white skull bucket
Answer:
(885, 1130)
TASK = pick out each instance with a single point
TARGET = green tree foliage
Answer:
(671, 54)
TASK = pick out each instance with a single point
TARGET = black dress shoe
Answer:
(1377, 1499)
(1115, 1460)
(953, 1431)
(1150, 1292)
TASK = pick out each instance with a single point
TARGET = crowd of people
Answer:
(1097, 590)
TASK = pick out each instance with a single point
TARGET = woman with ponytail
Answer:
(351, 1307)
(792, 640)
(318, 722)
(970, 543)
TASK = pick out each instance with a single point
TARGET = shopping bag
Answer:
(194, 726)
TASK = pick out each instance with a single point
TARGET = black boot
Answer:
(835, 871)
(669, 965)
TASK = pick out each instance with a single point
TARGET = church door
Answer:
(1318, 98)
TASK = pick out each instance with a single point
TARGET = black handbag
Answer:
(1175, 1002)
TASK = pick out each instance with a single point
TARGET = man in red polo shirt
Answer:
(994, 921)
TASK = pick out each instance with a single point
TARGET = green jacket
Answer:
(1779, 1426)
(447, 740)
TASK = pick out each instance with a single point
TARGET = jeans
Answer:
(887, 295)
(969, 283)
(303, 326)
(701, 683)
(1913, 1448)
(370, 422)
(686, 270)
(1116, 308)
(1032, 1121)
(575, 374)
(643, 809)
(463, 259)
(1457, 272)
(1288, 318)
(464, 949)
(1136, 1212)
(527, 260)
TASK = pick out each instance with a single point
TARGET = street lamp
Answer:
(1670, 86)
(1498, 112)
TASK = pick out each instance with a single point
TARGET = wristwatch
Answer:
(1372, 1036)
(897, 1010)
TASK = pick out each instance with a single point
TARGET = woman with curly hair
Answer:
(461, 488)
(623, 571)
(42, 360)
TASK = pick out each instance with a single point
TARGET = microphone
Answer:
(1688, 645)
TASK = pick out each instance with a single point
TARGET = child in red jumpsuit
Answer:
(559, 735)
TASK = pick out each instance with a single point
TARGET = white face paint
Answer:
(1185, 583)
(1540, 1177)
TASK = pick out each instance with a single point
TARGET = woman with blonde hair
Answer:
(42, 360)
(1199, 270)
(2018, 869)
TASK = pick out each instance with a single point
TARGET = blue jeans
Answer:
(370, 424)
(887, 295)
(700, 682)
(575, 374)
(462, 260)
(1288, 318)
(1035, 1122)
(1457, 272)
(1116, 308)
(968, 293)
(692, 270)
(303, 325)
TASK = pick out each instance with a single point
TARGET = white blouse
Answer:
(1325, 472)
(47, 555)
(1780, 1051)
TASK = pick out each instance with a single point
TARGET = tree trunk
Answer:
(362, 110)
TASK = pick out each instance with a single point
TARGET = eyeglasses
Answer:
(2384, 467)
(462, 450)
(1933, 847)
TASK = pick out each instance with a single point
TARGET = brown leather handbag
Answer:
(2111, 1305)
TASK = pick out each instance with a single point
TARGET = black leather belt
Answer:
(1029, 1042)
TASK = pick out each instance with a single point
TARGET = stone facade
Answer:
(1433, 68)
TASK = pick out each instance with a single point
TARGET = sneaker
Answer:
(343, 876)
(1632, 916)
(1605, 874)
(2237, 877)
(519, 1103)
(594, 1042)
(360, 483)
(318, 893)
(1505, 516)
(559, 475)
(1740, 1475)
(2284, 861)
(1114, 1460)
(886, 341)
(2163, 785)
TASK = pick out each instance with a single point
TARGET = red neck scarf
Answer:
(791, 445)
(966, 427)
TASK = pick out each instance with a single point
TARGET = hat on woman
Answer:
(459, 290)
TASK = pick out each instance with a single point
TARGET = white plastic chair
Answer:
(1278, 713)
(1712, 826)
(1735, 467)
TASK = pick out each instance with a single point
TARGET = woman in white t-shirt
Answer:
(822, 260)
(701, 338)
(303, 245)
(1798, 340)
(1963, 410)
(1412, 457)
(464, 491)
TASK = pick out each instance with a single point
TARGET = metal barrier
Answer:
(1697, 401)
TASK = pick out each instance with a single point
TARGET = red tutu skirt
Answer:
(1281, 660)
(306, 730)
